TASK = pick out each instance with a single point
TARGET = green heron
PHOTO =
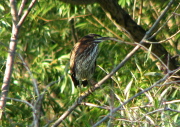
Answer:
(83, 59)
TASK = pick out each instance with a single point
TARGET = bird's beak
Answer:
(100, 39)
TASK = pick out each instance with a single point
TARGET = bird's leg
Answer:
(91, 82)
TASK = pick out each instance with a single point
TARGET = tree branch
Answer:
(10, 58)
(159, 18)
(131, 108)
(164, 23)
(12, 50)
(31, 75)
(21, 7)
(26, 13)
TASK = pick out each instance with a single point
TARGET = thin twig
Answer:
(29, 104)
(21, 7)
(164, 23)
(164, 39)
(164, 65)
(130, 108)
(159, 18)
(68, 18)
(26, 13)
(131, 121)
(50, 84)
(38, 102)
(158, 110)
(25, 102)
(30, 73)
(172, 75)
(172, 110)
(172, 82)
(176, 14)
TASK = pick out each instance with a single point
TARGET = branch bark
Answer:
(10, 58)
(16, 24)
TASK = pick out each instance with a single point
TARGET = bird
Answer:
(83, 59)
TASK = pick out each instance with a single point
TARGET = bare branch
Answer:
(10, 58)
(172, 82)
(26, 13)
(131, 108)
(30, 73)
(172, 110)
(164, 39)
(51, 20)
(164, 23)
(21, 7)
(25, 102)
(12, 50)
(34, 111)
(159, 110)
(159, 18)
(176, 14)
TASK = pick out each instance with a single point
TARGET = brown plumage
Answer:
(83, 59)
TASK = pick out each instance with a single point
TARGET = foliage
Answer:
(45, 42)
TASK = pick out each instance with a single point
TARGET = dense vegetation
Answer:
(45, 40)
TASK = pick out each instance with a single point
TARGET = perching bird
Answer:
(83, 59)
